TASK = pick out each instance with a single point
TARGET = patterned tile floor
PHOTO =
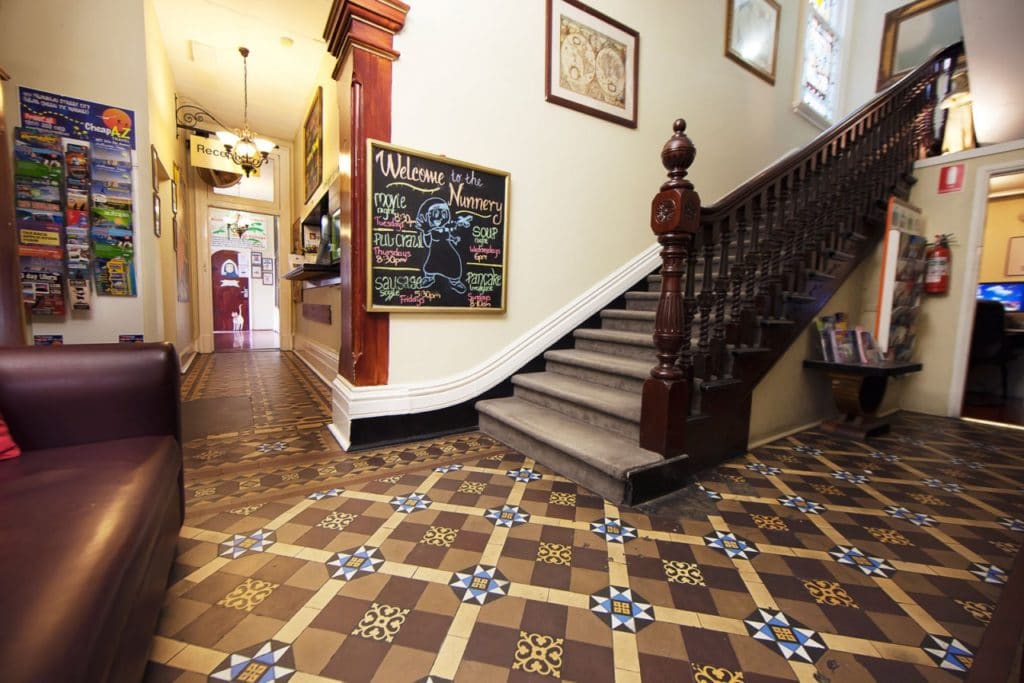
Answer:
(810, 559)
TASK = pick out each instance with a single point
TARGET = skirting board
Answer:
(186, 357)
(358, 402)
(317, 358)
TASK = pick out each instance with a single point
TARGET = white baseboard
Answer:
(186, 357)
(322, 360)
(354, 402)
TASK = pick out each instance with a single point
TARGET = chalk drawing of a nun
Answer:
(434, 221)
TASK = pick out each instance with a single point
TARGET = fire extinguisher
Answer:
(936, 274)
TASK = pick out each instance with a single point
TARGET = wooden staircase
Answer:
(740, 282)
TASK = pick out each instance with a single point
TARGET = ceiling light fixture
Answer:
(242, 146)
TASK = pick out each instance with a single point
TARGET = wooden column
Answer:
(363, 31)
(675, 216)
(12, 311)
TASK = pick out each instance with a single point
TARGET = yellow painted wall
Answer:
(1005, 219)
(178, 318)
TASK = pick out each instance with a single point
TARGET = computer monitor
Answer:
(1009, 294)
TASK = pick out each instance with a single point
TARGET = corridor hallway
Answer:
(459, 559)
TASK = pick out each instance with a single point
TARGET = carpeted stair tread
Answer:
(609, 453)
(617, 337)
(615, 402)
(625, 314)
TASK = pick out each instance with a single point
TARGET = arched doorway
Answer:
(230, 292)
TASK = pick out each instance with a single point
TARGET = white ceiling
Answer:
(1006, 185)
(281, 79)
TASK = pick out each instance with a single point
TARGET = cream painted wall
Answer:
(580, 187)
(1002, 222)
(178, 317)
(77, 67)
(792, 396)
(929, 391)
(865, 31)
(325, 335)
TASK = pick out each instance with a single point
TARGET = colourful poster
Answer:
(78, 119)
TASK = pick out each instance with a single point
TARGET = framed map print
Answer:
(591, 62)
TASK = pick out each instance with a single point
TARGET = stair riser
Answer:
(624, 350)
(589, 477)
(628, 325)
(607, 379)
(641, 304)
(628, 429)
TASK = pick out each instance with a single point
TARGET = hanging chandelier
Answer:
(242, 146)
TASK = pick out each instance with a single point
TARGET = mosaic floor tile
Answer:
(731, 545)
(679, 588)
(622, 609)
(270, 662)
(613, 530)
(240, 544)
(789, 637)
(349, 564)
(948, 653)
(479, 584)
(854, 557)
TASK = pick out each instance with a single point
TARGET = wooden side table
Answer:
(858, 391)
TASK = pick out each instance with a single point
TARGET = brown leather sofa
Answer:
(90, 512)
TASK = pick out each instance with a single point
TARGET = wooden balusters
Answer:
(721, 290)
(675, 216)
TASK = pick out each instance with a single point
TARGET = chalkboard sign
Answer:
(437, 233)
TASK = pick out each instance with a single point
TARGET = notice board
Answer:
(437, 233)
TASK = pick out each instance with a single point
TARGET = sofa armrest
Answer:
(54, 396)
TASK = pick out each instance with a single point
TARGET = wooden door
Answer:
(230, 291)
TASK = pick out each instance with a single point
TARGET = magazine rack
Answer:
(858, 391)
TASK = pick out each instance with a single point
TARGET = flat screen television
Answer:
(1009, 294)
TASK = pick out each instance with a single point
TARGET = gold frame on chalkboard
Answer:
(380, 144)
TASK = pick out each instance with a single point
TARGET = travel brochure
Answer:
(840, 344)
(73, 185)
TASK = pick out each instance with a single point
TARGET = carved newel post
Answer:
(675, 217)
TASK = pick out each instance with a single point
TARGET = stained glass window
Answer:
(821, 59)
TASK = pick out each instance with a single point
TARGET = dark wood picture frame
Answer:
(591, 20)
(156, 167)
(313, 143)
(890, 38)
(156, 214)
(733, 52)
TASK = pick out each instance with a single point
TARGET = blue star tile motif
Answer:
(524, 474)
(808, 450)
(843, 475)
(949, 653)
(411, 503)
(957, 461)
(731, 545)
(789, 637)
(855, 557)
(917, 518)
(802, 504)
(766, 470)
(713, 495)
(989, 573)
(445, 469)
(951, 487)
(480, 584)
(622, 609)
(269, 662)
(975, 465)
(329, 493)
(932, 483)
(349, 564)
(886, 457)
(508, 516)
(275, 447)
(1012, 523)
(613, 530)
(241, 544)
(912, 441)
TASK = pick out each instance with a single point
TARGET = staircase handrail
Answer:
(790, 161)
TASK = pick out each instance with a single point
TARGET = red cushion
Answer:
(8, 449)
